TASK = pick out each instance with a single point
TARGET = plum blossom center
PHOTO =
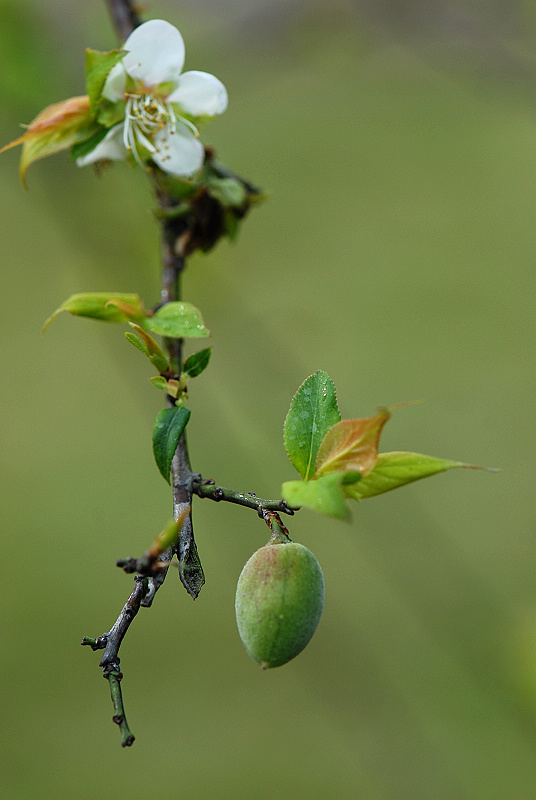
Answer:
(145, 115)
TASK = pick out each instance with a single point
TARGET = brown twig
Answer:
(124, 17)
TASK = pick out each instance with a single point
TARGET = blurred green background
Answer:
(397, 141)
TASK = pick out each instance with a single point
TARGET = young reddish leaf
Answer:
(324, 495)
(171, 386)
(351, 444)
(56, 128)
(158, 381)
(129, 310)
(396, 469)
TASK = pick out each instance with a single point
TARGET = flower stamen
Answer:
(189, 125)
(146, 115)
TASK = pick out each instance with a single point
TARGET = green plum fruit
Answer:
(279, 601)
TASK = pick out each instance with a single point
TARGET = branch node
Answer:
(286, 509)
(111, 666)
(129, 565)
(95, 644)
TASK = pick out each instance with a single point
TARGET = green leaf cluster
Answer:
(79, 123)
(177, 320)
(338, 460)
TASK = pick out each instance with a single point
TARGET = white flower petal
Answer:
(180, 153)
(200, 94)
(156, 53)
(115, 84)
(111, 148)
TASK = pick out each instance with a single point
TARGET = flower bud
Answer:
(279, 601)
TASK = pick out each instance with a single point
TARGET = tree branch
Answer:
(111, 642)
(177, 241)
(114, 679)
(190, 569)
(124, 17)
(208, 489)
(174, 233)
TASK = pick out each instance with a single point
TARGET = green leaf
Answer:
(396, 469)
(83, 148)
(351, 444)
(152, 349)
(98, 65)
(107, 306)
(350, 476)
(229, 192)
(231, 223)
(312, 413)
(197, 363)
(179, 189)
(168, 428)
(109, 114)
(158, 381)
(133, 339)
(324, 495)
(176, 320)
(167, 538)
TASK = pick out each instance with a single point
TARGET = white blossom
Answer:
(160, 103)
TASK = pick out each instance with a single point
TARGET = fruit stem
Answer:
(280, 534)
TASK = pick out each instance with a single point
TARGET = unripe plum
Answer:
(279, 601)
